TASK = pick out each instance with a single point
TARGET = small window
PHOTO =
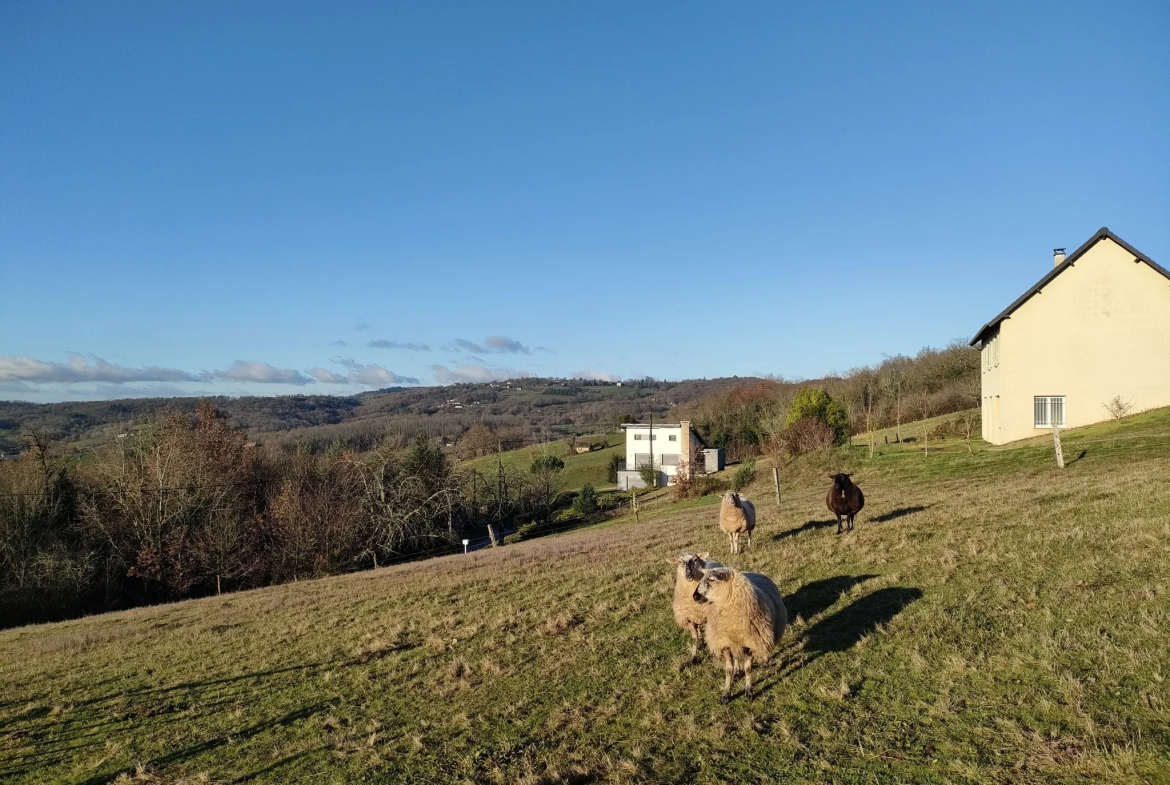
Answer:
(673, 438)
(637, 437)
(1048, 410)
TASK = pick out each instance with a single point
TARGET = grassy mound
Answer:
(992, 619)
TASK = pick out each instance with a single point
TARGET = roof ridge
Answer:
(1101, 234)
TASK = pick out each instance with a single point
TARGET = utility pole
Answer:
(652, 437)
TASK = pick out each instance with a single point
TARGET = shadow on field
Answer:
(814, 598)
(181, 756)
(810, 526)
(901, 512)
(86, 723)
(852, 623)
(1079, 457)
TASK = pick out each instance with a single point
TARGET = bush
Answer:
(610, 501)
(546, 463)
(612, 468)
(807, 435)
(744, 475)
(816, 403)
(649, 474)
(698, 485)
(521, 534)
(586, 501)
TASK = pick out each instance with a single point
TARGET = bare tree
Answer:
(1118, 407)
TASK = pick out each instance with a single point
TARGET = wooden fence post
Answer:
(776, 480)
(637, 518)
(1056, 443)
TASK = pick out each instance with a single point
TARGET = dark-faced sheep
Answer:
(746, 617)
(688, 614)
(737, 516)
(845, 499)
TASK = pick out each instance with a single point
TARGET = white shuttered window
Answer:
(1047, 410)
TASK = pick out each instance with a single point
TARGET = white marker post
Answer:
(465, 543)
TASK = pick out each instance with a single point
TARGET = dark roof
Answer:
(1101, 234)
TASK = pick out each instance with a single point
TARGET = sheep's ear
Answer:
(672, 560)
(704, 555)
(832, 476)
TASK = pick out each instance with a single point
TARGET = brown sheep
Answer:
(737, 516)
(746, 618)
(844, 499)
(688, 614)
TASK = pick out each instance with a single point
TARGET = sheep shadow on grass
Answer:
(853, 622)
(814, 598)
(808, 527)
(840, 631)
(901, 512)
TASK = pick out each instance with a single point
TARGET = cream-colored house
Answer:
(1097, 326)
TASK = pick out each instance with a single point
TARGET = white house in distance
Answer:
(1095, 328)
(667, 445)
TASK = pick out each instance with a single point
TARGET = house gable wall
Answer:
(1099, 329)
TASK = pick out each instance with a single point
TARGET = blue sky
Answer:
(255, 198)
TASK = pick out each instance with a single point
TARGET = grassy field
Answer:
(992, 619)
(580, 469)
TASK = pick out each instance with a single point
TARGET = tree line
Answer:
(758, 416)
(187, 505)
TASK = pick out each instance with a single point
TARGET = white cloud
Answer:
(30, 369)
(596, 376)
(260, 373)
(326, 376)
(462, 374)
(498, 343)
(467, 346)
(372, 375)
(412, 347)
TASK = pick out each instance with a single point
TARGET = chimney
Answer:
(1057, 256)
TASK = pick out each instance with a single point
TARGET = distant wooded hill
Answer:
(522, 410)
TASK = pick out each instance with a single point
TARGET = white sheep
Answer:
(688, 614)
(745, 618)
(737, 516)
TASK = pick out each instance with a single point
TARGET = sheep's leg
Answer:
(850, 523)
(747, 673)
(728, 674)
(749, 534)
(694, 644)
(838, 523)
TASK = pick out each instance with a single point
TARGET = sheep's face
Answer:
(714, 585)
(841, 482)
(732, 498)
(690, 565)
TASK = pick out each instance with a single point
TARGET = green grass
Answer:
(580, 469)
(992, 619)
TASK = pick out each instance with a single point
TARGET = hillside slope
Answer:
(529, 408)
(992, 619)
